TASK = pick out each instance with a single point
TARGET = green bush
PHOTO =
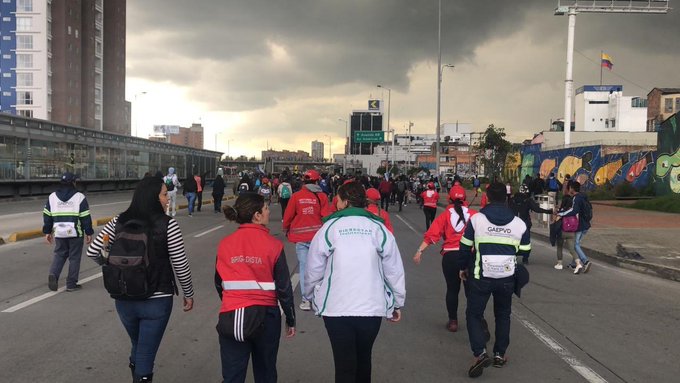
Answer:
(601, 193)
(667, 204)
(624, 189)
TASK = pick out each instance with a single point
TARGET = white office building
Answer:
(317, 151)
(605, 109)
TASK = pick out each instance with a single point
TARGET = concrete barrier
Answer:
(2, 241)
(23, 235)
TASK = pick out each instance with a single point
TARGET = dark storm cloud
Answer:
(224, 43)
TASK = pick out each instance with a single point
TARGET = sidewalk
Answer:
(654, 235)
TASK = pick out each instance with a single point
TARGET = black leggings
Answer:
(385, 201)
(451, 268)
(430, 212)
(352, 343)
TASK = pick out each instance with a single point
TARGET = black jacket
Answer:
(190, 185)
(218, 186)
(523, 204)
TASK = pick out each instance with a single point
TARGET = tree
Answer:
(494, 148)
(380, 170)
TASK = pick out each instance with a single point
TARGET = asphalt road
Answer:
(609, 325)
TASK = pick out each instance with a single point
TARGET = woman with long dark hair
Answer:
(145, 320)
(355, 278)
(449, 226)
(252, 279)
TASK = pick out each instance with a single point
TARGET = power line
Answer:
(643, 88)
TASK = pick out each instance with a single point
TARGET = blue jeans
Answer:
(264, 350)
(191, 197)
(301, 249)
(145, 323)
(478, 294)
(217, 199)
(71, 249)
(577, 246)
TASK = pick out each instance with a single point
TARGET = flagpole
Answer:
(601, 56)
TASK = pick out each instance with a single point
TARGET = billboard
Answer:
(166, 130)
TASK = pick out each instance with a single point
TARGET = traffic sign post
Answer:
(369, 136)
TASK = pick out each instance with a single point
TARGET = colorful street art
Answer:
(667, 169)
(588, 165)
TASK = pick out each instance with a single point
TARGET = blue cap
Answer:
(68, 178)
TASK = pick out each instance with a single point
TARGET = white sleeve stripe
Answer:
(178, 258)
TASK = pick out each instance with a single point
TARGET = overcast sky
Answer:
(281, 72)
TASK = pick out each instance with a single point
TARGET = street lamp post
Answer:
(330, 150)
(347, 143)
(137, 114)
(389, 102)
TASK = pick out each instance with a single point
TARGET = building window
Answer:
(7, 94)
(24, 79)
(24, 5)
(7, 57)
(24, 42)
(24, 23)
(68, 29)
(24, 60)
(7, 74)
(668, 105)
(24, 98)
(6, 18)
(677, 104)
(7, 38)
(26, 113)
(76, 33)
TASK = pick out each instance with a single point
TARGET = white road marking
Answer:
(408, 224)
(564, 354)
(46, 295)
(208, 231)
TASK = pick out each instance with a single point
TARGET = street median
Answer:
(24, 235)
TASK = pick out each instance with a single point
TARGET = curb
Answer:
(658, 271)
(23, 235)
(31, 234)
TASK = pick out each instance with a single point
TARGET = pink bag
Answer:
(570, 224)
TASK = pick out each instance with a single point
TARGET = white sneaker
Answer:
(173, 213)
(305, 306)
(559, 266)
(577, 269)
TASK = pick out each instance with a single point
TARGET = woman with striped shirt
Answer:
(145, 320)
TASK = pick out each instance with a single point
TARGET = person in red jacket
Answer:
(430, 198)
(373, 199)
(302, 220)
(252, 279)
(385, 188)
(449, 226)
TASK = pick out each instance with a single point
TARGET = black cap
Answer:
(69, 178)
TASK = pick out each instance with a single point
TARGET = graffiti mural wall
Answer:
(592, 166)
(667, 169)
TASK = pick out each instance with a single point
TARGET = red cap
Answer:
(457, 192)
(312, 175)
(373, 194)
(430, 185)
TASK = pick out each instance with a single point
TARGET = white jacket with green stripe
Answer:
(354, 267)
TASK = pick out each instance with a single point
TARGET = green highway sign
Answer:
(369, 136)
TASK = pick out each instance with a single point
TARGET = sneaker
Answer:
(52, 282)
(480, 363)
(305, 306)
(191, 215)
(577, 269)
(74, 288)
(452, 325)
(173, 214)
(499, 360)
(559, 266)
(586, 267)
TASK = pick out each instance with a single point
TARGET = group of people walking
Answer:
(350, 268)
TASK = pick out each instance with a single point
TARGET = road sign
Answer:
(373, 105)
(369, 136)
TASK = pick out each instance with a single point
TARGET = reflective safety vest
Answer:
(496, 246)
(245, 264)
(66, 215)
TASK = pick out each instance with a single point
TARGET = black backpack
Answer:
(587, 211)
(169, 183)
(126, 272)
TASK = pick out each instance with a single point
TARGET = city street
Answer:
(610, 325)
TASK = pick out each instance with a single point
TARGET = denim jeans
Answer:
(264, 350)
(71, 249)
(301, 249)
(145, 323)
(577, 246)
(217, 200)
(191, 197)
(478, 294)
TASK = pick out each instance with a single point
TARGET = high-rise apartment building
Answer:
(64, 61)
(317, 151)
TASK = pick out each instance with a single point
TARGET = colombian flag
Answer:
(607, 61)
